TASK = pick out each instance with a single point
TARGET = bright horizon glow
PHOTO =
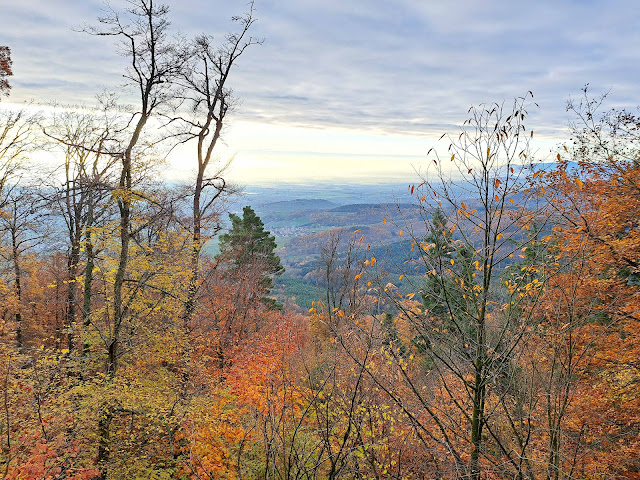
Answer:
(294, 154)
(266, 154)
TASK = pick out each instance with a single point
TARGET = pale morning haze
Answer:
(351, 90)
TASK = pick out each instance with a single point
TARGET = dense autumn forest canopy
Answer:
(500, 340)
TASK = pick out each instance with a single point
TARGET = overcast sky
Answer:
(354, 89)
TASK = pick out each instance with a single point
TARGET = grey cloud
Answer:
(402, 65)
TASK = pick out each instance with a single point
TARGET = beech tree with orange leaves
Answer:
(596, 295)
(5, 69)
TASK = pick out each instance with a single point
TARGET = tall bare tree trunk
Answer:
(17, 287)
(88, 277)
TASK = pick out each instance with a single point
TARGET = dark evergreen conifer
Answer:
(251, 248)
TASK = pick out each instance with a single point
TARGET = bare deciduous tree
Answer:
(203, 87)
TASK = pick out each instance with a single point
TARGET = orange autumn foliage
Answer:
(598, 249)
